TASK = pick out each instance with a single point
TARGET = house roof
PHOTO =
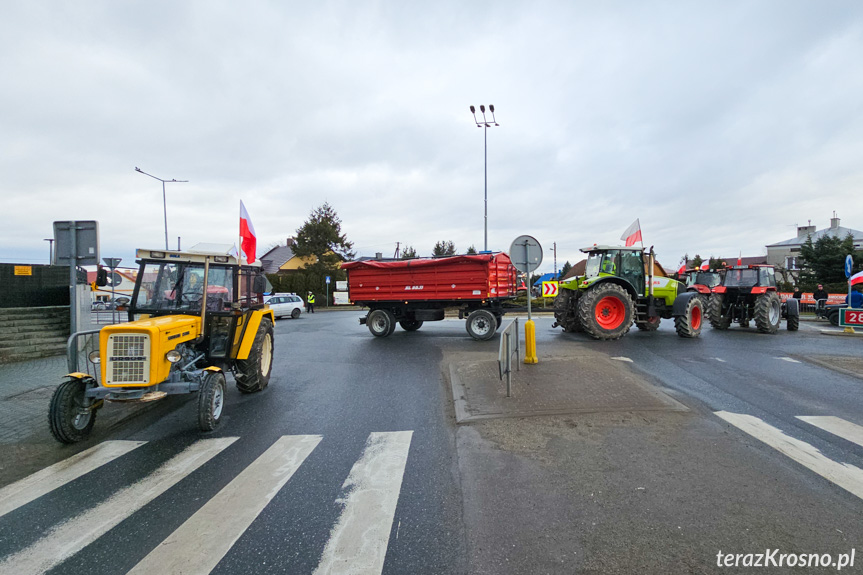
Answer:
(545, 278)
(838, 231)
(276, 258)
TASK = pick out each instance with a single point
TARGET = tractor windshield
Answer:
(709, 279)
(600, 262)
(179, 287)
(741, 278)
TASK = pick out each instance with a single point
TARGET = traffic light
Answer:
(101, 276)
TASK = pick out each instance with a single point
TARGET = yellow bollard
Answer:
(530, 342)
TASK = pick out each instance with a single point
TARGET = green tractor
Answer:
(614, 293)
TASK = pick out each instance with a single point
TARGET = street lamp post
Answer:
(164, 200)
(50, 251)
(485, 124)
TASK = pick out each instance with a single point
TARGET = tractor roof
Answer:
(597, 248)
(217, 253)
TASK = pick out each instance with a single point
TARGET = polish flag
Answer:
(856, 279)
(248, 240)
(740, 259)
(705, 266)
(632, 233)
(682, 269)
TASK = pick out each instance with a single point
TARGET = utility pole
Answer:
(485, 124)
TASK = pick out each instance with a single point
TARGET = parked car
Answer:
(118, 303)
(283, 305)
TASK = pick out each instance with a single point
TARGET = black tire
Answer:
(652, 324)
(381, 322)
(481, 325)
(411, 324)
(690, 324)
(253, 374)
(793, 322)
(743, 323)
(606, 311)
(768, 312)
(211, 400)
(295, 313)
(566, 311)
(717, 320)
(67, 424)
(833, 318)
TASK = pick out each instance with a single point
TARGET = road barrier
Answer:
(508, 347)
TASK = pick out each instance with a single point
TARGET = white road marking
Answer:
(788, 359)
(719, 359)
(846, 476)
(621, 358)
(837, 426)
(197, 546)
(70, 537)
(46, 480)
(358, 542)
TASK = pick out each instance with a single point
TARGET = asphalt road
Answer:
(351, 462)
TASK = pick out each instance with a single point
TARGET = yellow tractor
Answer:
(194, 315)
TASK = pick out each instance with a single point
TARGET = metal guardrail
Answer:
(508, 346)
(78, 348)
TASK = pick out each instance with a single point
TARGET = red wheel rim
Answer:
(609, 312)
(696, 317)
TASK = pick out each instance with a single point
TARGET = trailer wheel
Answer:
(690, 323)
(211, 400)
(717, 320)
(68, 423)
(768, 312)
(381, 322)
(253, 374)
(410, 324)
(481, 325)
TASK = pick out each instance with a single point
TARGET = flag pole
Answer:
(240, 237)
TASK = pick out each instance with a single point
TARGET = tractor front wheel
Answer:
(652, 323)
(717, 320)
(768, 312)
(690, 323)
(68, 416)
(605, 311)
(211, 400)
(253, 374)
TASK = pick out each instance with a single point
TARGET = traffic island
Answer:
(589, 382)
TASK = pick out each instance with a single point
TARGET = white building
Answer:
(785, 253)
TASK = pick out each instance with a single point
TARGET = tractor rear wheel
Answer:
(566, 311)
(690, 324)
(652, 324)
(768, 312)
(717, 320)
(606, 311)
(253, 374)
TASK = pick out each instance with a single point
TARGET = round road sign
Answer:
(849, 264)
(525, 253)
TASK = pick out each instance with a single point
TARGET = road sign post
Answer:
(327, 301)
(849, 266)
(77, 244)
(526, 255)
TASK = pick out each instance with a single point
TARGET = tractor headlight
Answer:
(173, 356)
(94, 357)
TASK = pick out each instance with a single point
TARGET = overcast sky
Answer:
(721, 125)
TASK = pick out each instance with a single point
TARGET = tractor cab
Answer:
(701, 281)
(613, 261)
(743, 277)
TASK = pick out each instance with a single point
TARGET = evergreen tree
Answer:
(443, 248)
(471, 250)
(409, 253)
(565, 269)
(321, 237)
(823, 261)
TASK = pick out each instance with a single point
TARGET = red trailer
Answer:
(411, 292)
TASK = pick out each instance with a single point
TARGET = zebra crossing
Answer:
(358, 542)
(845, 475)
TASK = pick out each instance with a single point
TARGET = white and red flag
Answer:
(705, 266)
(632, 233)
(682, 269)
(740, 258)
(248, 239)
(856, 279)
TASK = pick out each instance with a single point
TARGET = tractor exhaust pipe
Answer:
(650, 260)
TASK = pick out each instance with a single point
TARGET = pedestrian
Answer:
(310, 303)
(820, 294)
(855, 297)
(797, 293)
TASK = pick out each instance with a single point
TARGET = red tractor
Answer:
(749, 293)
(702, 281)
